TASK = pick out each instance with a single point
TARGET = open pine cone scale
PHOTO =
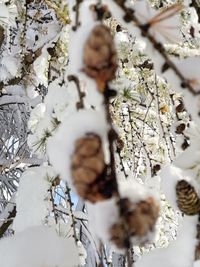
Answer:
(100, 57)
(136, 221)
(90, 174)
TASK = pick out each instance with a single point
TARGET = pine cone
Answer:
(89, 170)
(56, 181)
(136, 220)
(187, 198)
(100, 56)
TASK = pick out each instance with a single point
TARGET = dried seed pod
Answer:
(89, 170)
(156, 168)
(102, 11)
(185, 144)
(180, 128)
(56, 181)
(136, 220)
(164, 109)
(119, 144)
(100, 57)
(180, 107)
(187, 198)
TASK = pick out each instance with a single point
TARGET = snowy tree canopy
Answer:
(100, 133)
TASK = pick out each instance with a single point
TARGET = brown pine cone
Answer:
(89, 170)
(187, 198)
(100, 57)
(137, 219)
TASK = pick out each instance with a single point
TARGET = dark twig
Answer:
(53, 205)
(72, 214)
(76, 9)
(8, 222)
(112, 136)
(80, 104)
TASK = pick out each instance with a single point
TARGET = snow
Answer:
(121, 37)
(38, 247)
(164, 27)
(47, 34)
(11, 64)
(79, 37)
(60, 147)
(31, 200)
(77, 40)
(179, 253)
(189, 68)
(75, 49)
(14, 90)
(8, 13)
(82, 254)
(36, 115)
(92, 95)
(170, 175)
(8, 66)
(102, 216)
(40, 67)
(190, 159)
(135, 191)
(61, 99)
(186, 165)
(59, 103)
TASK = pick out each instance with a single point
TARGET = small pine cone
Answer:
(119, 144)
(89, 170)
(180, 128)
(180, 107)
(100, 57)
(56, 181)
(137, 220)
(187, 198)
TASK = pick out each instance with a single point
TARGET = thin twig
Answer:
(76, 9)
(80, 104)
(53, 205)
(72, 214)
